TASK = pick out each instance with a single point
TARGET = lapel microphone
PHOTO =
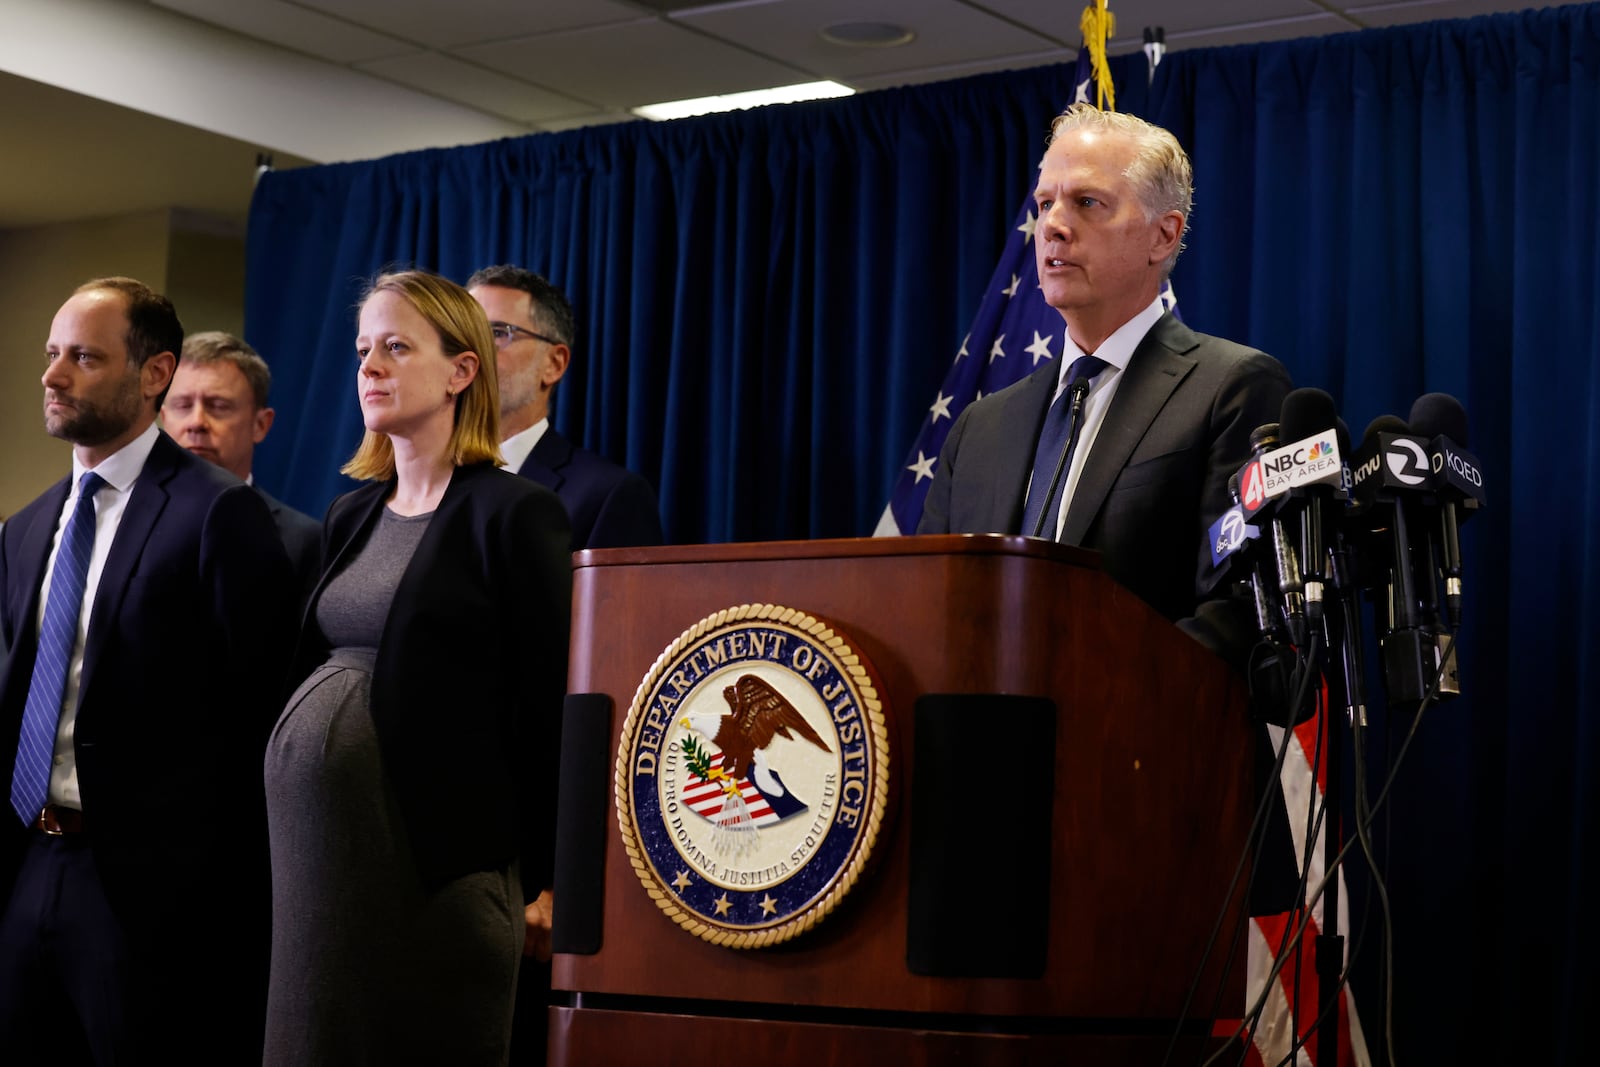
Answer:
(1078, 390)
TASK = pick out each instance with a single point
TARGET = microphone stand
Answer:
(1330, 941)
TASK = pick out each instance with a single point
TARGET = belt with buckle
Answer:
(56, 820)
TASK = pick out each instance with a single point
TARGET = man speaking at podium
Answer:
(1127, 444)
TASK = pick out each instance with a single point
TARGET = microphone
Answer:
(1457, 482)
(1392, 472)
(1343, 580)
(1231, 534)
(1078, 388)
(1256, 484)
(1315, 471)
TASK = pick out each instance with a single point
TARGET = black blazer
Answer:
(1157, 476)
(610, 506)
(471, 669)
(302, 540)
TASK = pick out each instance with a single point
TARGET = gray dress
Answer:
(367, 967)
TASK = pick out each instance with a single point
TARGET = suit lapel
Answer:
(1158, 365)
(1020, 421)
(549, 456)
(148, 500)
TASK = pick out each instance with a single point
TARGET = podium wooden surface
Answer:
(1151, 805)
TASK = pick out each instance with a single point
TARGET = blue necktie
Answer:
(30, 780)
(1053, 439)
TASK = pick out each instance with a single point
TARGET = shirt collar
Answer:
(1117, 350)
(516, 448)
(121, 469)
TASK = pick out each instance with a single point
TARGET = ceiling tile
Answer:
(890, 79)
(292, 27)
(445, 25)
(947, 31)
(1060, 21)
(630, 64)
(467, 83)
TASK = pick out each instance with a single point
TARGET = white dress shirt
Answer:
(1117, 350)
(120, 471)
(518, 446)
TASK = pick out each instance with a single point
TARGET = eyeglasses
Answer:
(506, 332)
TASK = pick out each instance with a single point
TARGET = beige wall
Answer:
(205, 278)
(40, 266)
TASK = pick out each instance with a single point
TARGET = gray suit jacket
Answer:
(1157, 477)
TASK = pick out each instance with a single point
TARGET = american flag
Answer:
(1292, 1004)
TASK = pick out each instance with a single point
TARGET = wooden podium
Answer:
(1149, 802)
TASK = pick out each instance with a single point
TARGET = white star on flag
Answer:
(1011, 290)
(923, 467)
(995, 351)
(1040, 348)
(941, 407)
(1027, 227)
(963, 351)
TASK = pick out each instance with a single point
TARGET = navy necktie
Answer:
(1054, 438)
(30, 779)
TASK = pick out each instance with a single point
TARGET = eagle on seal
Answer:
(757, 714)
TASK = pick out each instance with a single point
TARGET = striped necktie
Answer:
(1052, 457)
(58, 636)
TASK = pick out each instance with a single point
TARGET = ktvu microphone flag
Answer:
(1013, 332)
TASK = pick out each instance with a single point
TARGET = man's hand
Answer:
(536, 932)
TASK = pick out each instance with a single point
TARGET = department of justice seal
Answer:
(753, 775)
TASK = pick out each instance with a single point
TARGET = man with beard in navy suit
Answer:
(610, 506)
(147, 605)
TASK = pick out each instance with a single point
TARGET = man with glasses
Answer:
(610, 507)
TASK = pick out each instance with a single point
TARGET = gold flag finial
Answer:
(1098, 24)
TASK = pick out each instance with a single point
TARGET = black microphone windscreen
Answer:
(1440, 415)
(1306, 412)
(1384, 424)
(1264, 436)
(1233, 486)
(1341, 430)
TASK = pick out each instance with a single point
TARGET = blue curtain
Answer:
(767, 302)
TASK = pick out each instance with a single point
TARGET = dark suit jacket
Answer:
(610, 506)
(186, 648)
(1157, 476)
(302, 540)
(471, 669)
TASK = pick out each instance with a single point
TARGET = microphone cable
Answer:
(1252, 844)
(1316, 815)
(1376, 881)
(1079, 389)
(1383, 794)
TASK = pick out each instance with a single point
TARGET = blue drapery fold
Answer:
(767, 302)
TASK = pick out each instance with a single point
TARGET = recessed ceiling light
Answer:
(705, 105)
(867, 34)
